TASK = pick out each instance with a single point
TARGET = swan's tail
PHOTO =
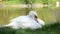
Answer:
(8, 25)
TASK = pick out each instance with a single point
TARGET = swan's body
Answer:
(28, 21)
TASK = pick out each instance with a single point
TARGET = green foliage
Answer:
(47, 29)
(34, 1)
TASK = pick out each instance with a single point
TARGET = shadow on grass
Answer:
(47, 29)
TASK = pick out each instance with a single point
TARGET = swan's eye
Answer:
(35, 16)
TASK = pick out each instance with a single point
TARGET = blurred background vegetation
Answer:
(10, 9)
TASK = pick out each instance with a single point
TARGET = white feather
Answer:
(26, 22)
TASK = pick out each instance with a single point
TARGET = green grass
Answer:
(11, 2)
(47, 29)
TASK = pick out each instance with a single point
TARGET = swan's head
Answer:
(33, 14)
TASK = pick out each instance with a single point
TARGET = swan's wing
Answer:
(41, 22)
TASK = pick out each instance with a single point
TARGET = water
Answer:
(47, 14)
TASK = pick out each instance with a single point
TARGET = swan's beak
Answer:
(36, 18)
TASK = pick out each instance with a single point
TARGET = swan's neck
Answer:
(33, 18)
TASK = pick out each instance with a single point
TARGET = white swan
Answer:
(30, 21)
